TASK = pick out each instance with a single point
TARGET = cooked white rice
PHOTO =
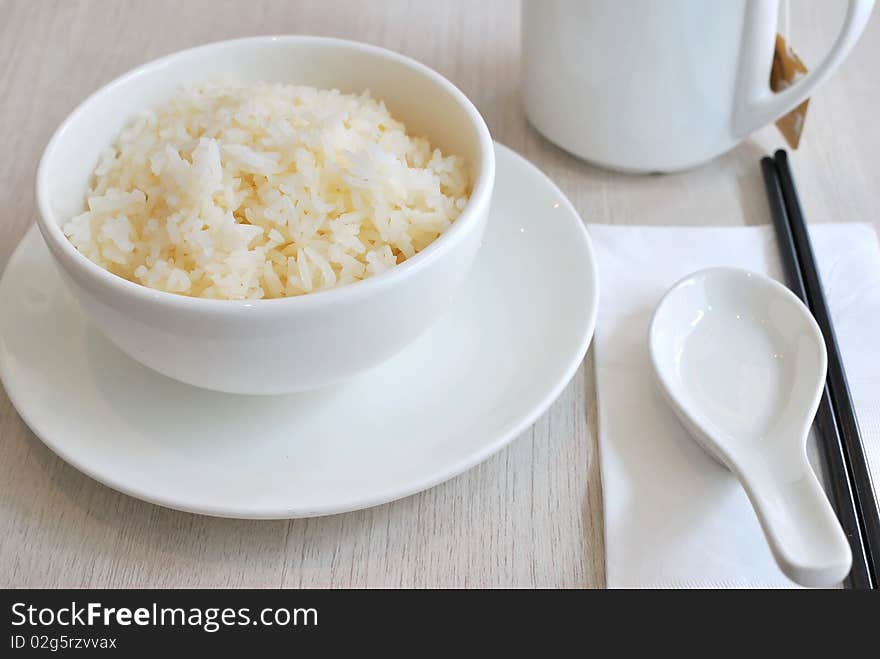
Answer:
(243, 191)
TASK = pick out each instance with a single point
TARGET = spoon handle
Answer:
(801, 528)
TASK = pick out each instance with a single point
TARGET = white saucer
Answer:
(482, 374)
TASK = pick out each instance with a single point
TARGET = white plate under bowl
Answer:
(511, 341)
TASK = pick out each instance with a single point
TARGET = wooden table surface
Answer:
(529, 516)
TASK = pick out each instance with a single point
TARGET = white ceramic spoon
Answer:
(742, 362)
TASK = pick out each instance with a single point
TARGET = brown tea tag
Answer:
(787, 69)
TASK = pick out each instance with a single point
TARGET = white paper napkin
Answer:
(673, 516)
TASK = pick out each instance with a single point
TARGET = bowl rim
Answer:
(65, 252)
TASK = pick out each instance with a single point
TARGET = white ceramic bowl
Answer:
(278, 345)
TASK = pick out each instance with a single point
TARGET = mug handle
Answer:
(758, 105)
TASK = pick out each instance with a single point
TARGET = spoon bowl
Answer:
(742, 363)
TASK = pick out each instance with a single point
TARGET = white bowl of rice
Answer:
(267, 215)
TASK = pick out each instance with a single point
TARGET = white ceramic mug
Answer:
(645, 86)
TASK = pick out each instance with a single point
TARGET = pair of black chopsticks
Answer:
(852, 492)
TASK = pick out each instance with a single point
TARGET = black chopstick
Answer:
(843, 497)
(841, 398)
(849, 479)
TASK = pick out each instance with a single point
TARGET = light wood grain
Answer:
(531, 515)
